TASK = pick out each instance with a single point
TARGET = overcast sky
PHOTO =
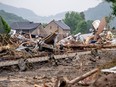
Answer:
(52, 7)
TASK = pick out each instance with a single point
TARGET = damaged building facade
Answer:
(29, 27)
(60, 26)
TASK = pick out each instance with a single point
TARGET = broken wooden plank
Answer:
(83, 76)
(64, 82)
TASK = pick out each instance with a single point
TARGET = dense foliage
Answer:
(76, 21)
(4, 27)
(10, 18)
(113, 6)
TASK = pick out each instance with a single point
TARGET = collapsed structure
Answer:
(26, 46)
(101, 37)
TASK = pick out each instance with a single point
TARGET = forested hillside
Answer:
(10, 18)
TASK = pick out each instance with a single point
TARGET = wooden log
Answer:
(66, 83)
(83, 76)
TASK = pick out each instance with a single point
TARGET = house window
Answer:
(50, 27)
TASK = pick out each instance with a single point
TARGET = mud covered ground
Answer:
(70, 68)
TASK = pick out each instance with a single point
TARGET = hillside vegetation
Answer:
(10, 18)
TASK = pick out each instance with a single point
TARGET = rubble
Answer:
(61, 61)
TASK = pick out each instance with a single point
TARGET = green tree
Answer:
(108, 20)
(76, 21)
(82, 15)
(72, 19)
(4, 27)
(113, 6)
(89, 24)
(81, 27)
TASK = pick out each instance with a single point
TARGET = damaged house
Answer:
(59, 26)
(29, 27)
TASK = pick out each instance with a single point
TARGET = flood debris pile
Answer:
(26, 45)
(52, 63)
(22, 46)
(100, 36)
